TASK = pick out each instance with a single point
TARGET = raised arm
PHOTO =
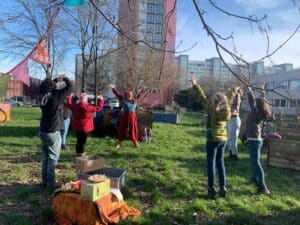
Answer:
(232, 94)
(69, 101)
(66, 91)
(201, 94)
(116, 92)
(98, 107)
(251, 98)
(141, 94)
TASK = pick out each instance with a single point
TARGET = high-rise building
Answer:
(150, 30)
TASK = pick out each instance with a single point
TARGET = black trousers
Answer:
(81, 141)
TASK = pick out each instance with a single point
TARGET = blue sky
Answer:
(283, 18)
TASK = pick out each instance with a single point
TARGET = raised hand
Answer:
(193, 80)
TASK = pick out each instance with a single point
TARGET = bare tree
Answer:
(24, 25)
(95, 40)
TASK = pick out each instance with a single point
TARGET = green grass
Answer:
(166, 179)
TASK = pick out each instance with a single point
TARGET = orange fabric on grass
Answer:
(70, 208)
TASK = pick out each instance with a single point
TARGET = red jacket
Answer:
(83, 114)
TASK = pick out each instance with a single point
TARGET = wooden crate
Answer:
(284, 153)
(289, 133)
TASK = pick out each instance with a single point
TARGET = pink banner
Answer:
(21, 72)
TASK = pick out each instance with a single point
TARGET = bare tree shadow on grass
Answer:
(19, 131)
(25, 204)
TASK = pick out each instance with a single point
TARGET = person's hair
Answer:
(241, 92)
(263, 108)
(46, 86)
(219, 100)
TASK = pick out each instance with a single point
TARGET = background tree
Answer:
(95, 39)
(23, 27)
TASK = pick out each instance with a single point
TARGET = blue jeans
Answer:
(64, 132)
(51, 144)
(254, 147)
(215, 158)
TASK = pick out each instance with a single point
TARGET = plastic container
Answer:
(116, 175)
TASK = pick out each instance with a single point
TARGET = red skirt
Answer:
(128, 126)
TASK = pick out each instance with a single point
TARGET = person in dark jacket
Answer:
(83, 121)
(51, 100)
(259, 112)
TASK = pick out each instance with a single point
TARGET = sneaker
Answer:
(54, 185)
(263, 190)
(223, 192)
(212, 192)
(80, 154)
(118, 146)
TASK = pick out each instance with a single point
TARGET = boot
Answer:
(212, 192)
(223, 192)
(263, 190)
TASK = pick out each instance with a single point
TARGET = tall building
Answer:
(210, 67)
(286, 84)
(150, 27)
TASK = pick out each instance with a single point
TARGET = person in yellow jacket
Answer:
(218, 110)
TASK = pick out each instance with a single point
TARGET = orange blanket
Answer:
(70, 208)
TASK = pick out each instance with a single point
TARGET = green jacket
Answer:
(216, 121)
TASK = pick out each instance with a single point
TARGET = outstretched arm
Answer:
(201, 94)
(98, 107)
(116, 92)
(251, 98)
(141, 93)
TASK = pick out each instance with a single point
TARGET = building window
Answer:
(150, 8)
(293, 103)
(159, 9)
(157, 37)
(159, 18)
(150, 36)
(295, 85)
(277, 102)
(281, 85)
(283, 103)
(150, 27)
(158, 27)
(150, 18)
(270, 86)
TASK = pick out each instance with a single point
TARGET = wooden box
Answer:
(284, 153)
(89, 163)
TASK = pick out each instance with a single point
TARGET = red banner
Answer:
(40, 52)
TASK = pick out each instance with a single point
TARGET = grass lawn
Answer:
(166, 179)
